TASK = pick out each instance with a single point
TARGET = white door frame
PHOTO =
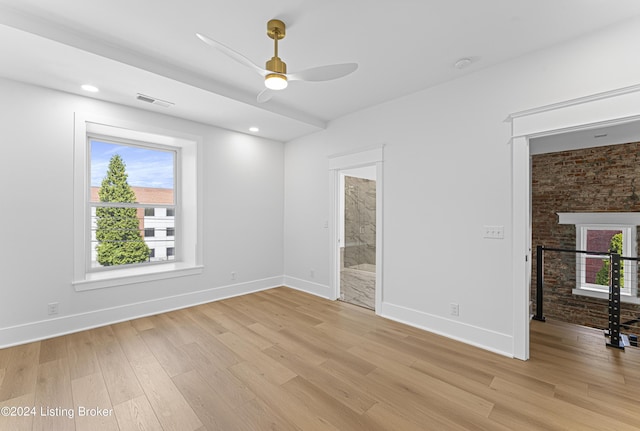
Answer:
(372, 156)
(599, 110)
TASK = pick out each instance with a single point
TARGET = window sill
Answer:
(120, 277)
(628, 299)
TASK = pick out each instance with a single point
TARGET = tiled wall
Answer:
(360, 222)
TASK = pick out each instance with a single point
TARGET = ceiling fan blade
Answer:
(265, 95)
(231, 53)
(324, 73)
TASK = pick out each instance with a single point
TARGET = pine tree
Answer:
(118, 229)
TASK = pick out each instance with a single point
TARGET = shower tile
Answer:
(358, 287)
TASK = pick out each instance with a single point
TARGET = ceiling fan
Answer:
(275, 72)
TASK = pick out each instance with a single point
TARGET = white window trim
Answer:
(626, 222)
(189, 174)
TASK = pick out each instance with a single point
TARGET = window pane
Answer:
(131, 175)
(601, 240)
(116, 237)
(597, 271)
(148, 173)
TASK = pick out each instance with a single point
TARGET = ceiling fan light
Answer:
(275, 81)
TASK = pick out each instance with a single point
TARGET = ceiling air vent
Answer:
(154, 101)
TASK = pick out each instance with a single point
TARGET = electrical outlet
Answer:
(52, 308)
(234, 275)
(454, 309)
(312, 273)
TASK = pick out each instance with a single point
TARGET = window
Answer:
(171, 231)
(604, 232)
(594, 269)
(170, 251)
(127, 180)
(161, 173)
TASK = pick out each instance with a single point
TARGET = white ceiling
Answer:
(127, 47)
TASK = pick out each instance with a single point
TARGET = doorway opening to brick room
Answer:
(585, 208)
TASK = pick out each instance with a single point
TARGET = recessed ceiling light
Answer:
(254, 129)
(90, 88)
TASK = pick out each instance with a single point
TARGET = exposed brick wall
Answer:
(602, 179)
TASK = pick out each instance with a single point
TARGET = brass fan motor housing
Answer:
(276, 65)
(276, 27)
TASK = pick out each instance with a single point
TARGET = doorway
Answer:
(364, 164)
(358, 236)
(612, 108)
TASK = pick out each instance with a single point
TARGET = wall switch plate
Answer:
(493, 232)
(52, 308)
(454, 309)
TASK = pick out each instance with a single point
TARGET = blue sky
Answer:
(145, 167)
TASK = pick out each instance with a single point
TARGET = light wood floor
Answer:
(285, 360)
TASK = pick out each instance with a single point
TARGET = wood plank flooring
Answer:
(285, 360)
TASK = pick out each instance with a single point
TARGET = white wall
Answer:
(447, 172)
(243, 212)
(306, 215)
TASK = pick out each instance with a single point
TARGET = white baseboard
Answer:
(35, 331)
(493, 341)
(317, 289)
(63, 325)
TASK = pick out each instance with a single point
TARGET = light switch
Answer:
(493, 232)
